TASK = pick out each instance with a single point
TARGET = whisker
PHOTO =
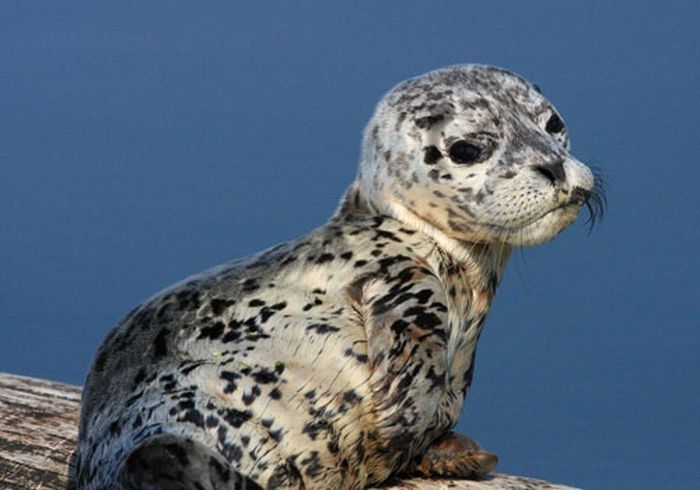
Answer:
(597, 202)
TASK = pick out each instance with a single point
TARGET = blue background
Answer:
(140, 143)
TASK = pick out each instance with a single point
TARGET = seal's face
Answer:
(476, 153)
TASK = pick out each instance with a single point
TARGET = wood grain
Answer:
(38, 430)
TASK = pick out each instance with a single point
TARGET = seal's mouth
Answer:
(593, 199)
(541, 229)
(567, 208)
(550, 223)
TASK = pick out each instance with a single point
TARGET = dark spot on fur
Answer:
(218, 306)
(399, 326)
(230, 377)
(233, 452)
(423, 319)
(314, 427)
(236, 418)
(212, 332)
(277, 435)
(250, 285)
(333, 446)
(351, 397)
(115, 428)
(265, 376)
(194, 417)
(428, 121)
(325, 257)
(322, 328)
(187, 369)
(160, 347)
(312, 463)
(360, 357)
(140, 376)
(432, 155)
(249, 398)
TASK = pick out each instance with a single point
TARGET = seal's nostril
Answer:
(580, 195)
(542, 170)
(554, 172)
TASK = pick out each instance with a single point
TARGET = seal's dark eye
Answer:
(464, 152)
(554, 125)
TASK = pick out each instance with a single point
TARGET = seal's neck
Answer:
(354, 202)
(482, 263)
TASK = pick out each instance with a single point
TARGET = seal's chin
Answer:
(542, 229)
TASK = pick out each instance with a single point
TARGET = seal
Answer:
(343, 358)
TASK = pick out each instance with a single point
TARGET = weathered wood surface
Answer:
(39, 428)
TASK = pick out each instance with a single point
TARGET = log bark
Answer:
(39, 430)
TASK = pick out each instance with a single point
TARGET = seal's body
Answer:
(343, 358)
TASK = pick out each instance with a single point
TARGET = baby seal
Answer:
(343, 358)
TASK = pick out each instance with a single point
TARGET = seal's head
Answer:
(474, 154)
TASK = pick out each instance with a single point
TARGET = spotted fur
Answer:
(335, 360)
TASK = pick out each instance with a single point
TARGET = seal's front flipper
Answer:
(455, 455)
(168, 462)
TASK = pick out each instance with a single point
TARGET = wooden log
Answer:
(39, 430)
